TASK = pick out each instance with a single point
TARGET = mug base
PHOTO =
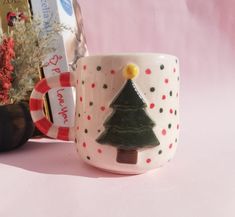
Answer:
(122, 172)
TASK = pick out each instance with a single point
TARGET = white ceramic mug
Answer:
(127, 110)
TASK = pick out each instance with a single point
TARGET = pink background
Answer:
(47, 179)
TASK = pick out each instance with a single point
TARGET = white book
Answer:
(70, 46)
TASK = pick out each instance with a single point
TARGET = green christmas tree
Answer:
(129, 127)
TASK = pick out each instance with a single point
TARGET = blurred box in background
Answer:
(70, 46)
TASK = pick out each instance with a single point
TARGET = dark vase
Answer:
(16, 126)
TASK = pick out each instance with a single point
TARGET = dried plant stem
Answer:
(32, 46)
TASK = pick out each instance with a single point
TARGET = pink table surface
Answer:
(46, 178)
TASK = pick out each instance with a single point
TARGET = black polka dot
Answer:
(98, 68)
(176, 140)
(99, 131)
(169, 126)
(83, 82)
(88, 158)
(171, 93)
(175, 112)
(91, 103)
(176, 60)
(161, 110)
(75, 140)
(79, 115)
(160, 152)
(152, 89)
(86, 131)
(178, 78)
(162, 66)
(105, 86)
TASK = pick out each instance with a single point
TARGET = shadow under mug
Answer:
(127, 110)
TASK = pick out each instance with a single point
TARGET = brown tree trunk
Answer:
(127, 156)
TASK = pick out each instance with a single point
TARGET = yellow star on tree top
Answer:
(130, 71)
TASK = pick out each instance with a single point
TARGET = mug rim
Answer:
(125, 54)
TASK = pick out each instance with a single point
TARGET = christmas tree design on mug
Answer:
(129, 127)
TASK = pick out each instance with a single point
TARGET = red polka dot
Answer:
(152, 105)
(163, 97)
(77, 127)
(170, 146)
(178, 126)
(171, 111)
(93, 85)
(174, 70)
(177, 94)
(77, 81)
(102, 108)
(148, 161)
(166, 80)
(88, 117)
(148, 71)
(163, 132)
(80, 99)
(84, 67)
(99, 151)
(84, 145)
(112, 72)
